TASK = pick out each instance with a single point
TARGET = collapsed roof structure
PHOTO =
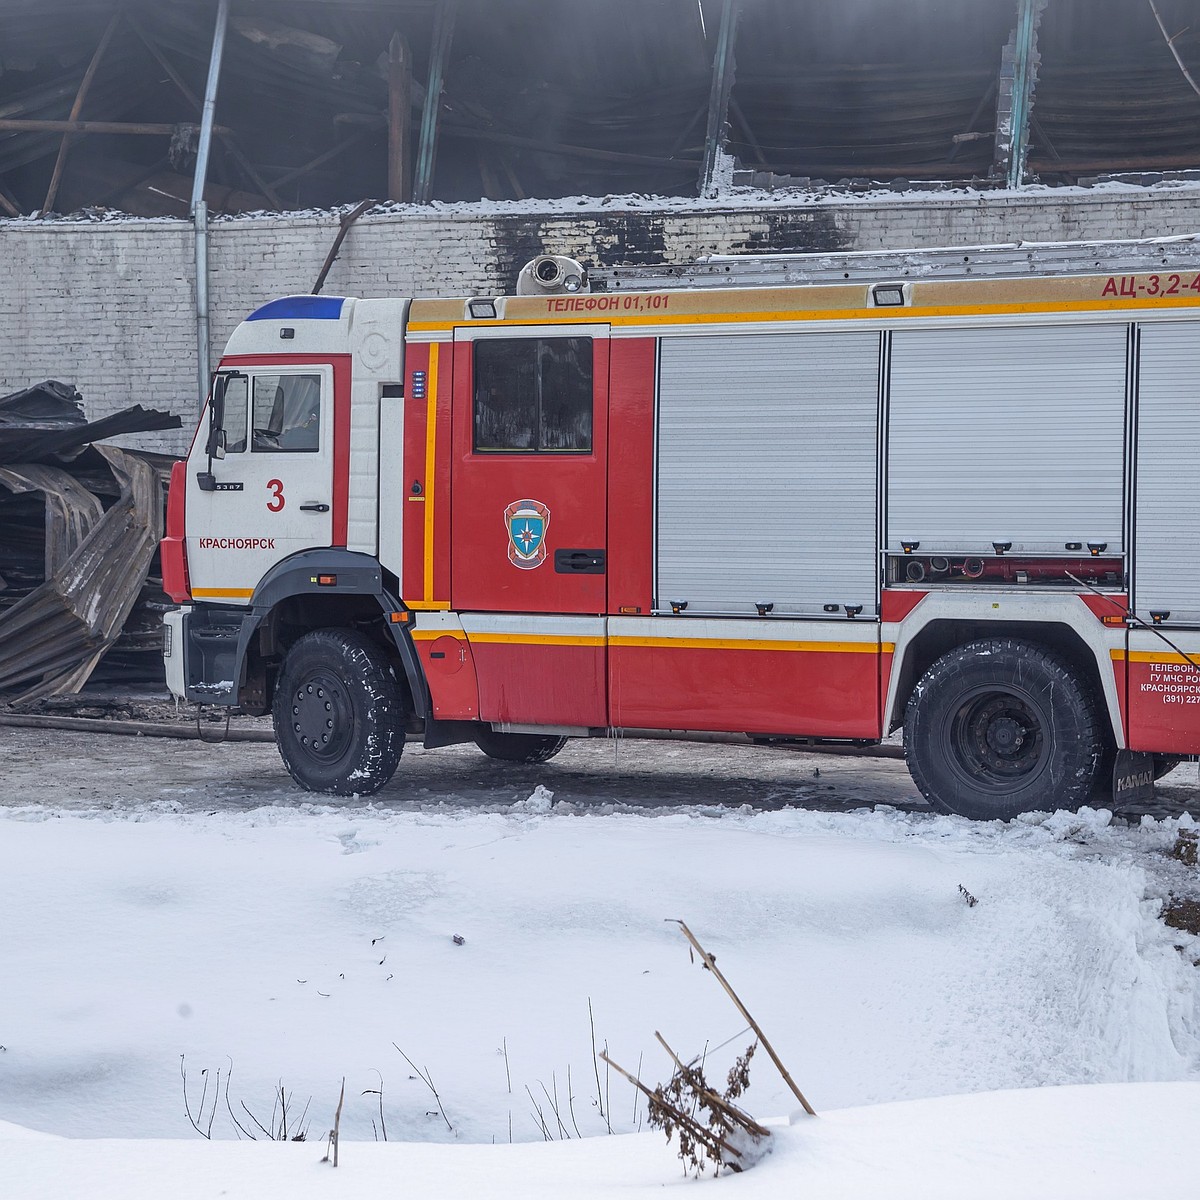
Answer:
(323, 102)
(81, 529)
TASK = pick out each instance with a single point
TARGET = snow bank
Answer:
(1069, 1143)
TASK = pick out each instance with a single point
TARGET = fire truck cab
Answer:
(816, 511)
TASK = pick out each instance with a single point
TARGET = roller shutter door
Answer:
(1167, 510)
(767, 472)
(1007, 434)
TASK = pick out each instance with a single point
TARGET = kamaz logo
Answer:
(1129, 782)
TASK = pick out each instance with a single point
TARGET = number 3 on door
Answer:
(276, 503)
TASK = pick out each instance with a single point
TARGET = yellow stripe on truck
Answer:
(785, 316)
(430, 467)
(673, 643)
(666, 643)
(222, 593)
(1156, 656)
(532, 639)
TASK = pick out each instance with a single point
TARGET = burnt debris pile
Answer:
(80, 586)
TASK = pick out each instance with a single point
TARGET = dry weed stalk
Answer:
(425, 1077)
(378, 1092)
(711, 1129)
(199, 1124)
(283, 1126)
(710, 964)
(331, 1150)
(277, 1130)
(605, 1110)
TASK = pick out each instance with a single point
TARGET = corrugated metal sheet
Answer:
(79, 530)
(51, 641)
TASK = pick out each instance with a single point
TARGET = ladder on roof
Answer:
(1012, 260)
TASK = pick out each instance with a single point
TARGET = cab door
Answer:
(268, 492)
(529, 487)
(529, 521)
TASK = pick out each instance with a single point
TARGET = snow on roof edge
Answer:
(730, 199)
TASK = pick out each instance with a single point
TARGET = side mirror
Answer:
(215, 446)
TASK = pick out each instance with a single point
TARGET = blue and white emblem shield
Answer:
(527, 522)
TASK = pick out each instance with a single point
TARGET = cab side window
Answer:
(286, 413)
(533, 395)
(236, 406)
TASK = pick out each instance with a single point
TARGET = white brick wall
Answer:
(108, 306)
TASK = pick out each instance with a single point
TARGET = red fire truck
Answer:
(816, 502)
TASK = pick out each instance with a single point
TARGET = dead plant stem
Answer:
(709, 962)
(730, 1114)
(713, 1141)
(427, 1080)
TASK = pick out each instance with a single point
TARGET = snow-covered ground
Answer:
(297, 943)
(1094, 1143)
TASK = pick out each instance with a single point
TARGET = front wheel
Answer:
(1000, 727)
(519, 747)
(337, 714)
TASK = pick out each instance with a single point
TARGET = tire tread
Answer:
(375, 753)
(1066, 687)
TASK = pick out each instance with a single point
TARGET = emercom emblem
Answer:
(526, 522)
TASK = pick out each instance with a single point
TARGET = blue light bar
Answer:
(300, 308)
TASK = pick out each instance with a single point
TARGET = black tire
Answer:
(338, 715)
(1001, 727)
(519, 747)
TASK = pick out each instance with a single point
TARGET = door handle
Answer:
(579, 562)
(314, 506)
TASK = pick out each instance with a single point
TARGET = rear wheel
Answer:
(519, 747)
(1001, 727)
(337, 714)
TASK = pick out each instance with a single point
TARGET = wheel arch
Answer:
(296, 597)
(941, 635)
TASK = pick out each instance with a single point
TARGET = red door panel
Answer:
(450, 672)
(514, 511)
(535, 684)
(529, 520)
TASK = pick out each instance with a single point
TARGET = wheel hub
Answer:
(997, 741)
(1005, 735)
(321, 717)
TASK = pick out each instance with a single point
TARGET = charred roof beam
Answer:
(443, 35)
(192, 99)
(399, 116)
(719, 95)
(1014, 107)
(77, 107)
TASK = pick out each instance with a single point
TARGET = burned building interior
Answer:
(323, 103)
